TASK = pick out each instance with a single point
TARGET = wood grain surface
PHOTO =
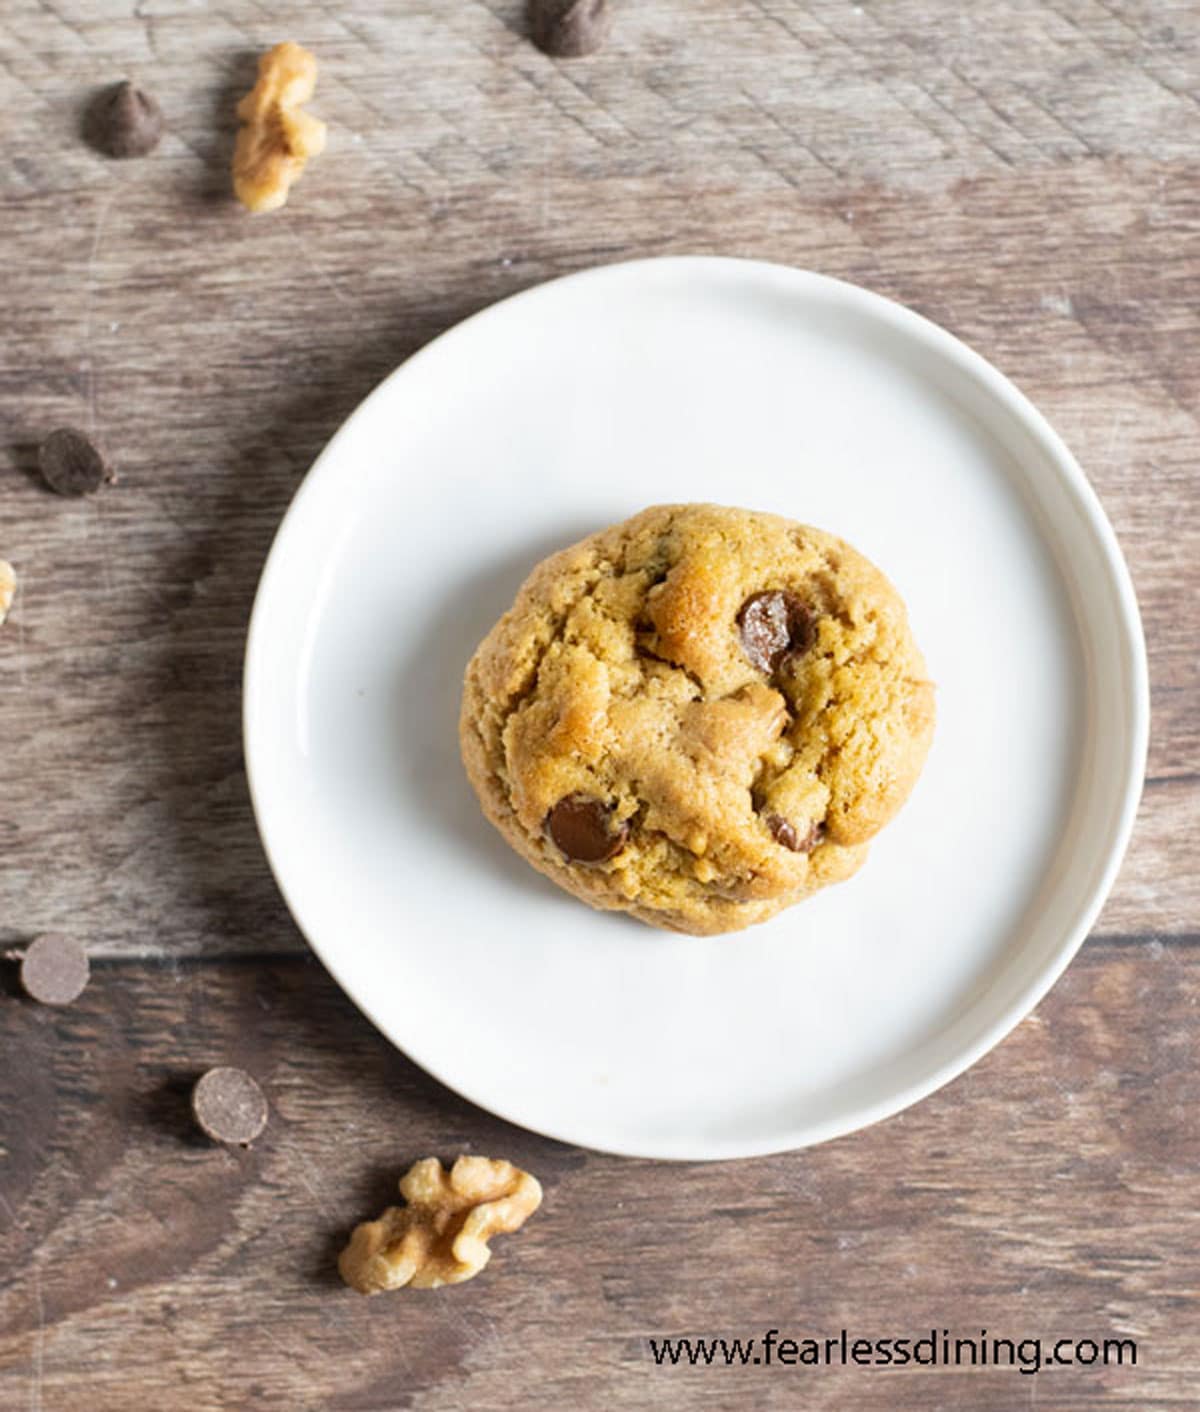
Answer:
(1025, 173)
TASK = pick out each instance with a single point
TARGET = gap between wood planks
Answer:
(302, 956)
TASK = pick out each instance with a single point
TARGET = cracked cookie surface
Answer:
(698, 716)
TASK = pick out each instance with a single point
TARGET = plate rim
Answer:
(1129, 626)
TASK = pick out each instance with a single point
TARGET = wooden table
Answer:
(1026, 174)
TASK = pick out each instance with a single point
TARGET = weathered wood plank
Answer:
(1048, 1192)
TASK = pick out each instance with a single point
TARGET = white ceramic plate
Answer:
(565, 409)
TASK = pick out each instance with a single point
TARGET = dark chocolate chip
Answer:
(569, 29)
(229, 1106)
(125, 121)
(583, 828)
(772, 626)
(54, 969)
(71, 465)
(786, 836)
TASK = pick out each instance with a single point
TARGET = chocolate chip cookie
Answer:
(698, 716)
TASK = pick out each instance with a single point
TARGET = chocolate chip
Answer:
(125, 121)
(582, 827)
(54, 969)
(773, 625)
(786, 836)
(569, 29)
(71, 465)
(229, 1106)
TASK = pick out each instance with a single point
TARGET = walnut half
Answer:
(276, 137)
(441, 1236)
(8, 587)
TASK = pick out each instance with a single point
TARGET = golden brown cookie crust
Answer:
(622, 677)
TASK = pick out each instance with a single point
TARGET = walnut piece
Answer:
(441, 1236)
(276, 138)
(8, 587)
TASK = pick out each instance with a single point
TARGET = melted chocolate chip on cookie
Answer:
(583, 829)
(774, 625)
(786, 836)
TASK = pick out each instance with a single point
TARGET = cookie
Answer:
(698, 716)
